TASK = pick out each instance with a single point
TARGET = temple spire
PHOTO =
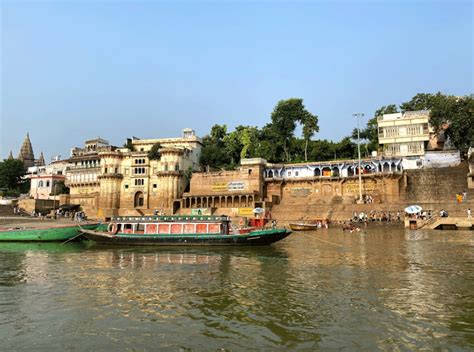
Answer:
(40, 161)
(26, 152)
(10, 157)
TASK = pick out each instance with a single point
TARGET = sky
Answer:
(76, 70)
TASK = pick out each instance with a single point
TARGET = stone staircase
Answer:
(432, 189)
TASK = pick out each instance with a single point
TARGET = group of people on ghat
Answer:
(375, 215)
(73, 215)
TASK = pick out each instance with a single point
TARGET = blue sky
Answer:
(75, 70)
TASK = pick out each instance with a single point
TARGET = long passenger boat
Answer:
(182, 230)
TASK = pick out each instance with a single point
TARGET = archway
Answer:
(351, 171)
(139, 199)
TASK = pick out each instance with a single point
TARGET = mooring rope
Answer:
(318, 239)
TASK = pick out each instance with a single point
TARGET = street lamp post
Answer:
(359, 115)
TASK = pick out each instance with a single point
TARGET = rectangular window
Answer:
(126, 186)
(154, 185)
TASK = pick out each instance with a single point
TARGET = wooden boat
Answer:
(303, 227)
(43, 234)
(181, 230)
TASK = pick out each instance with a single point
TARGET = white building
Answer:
(43, 179)
(404, 134)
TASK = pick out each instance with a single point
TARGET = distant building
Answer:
(404, 134)
(107, 180)
(44, 178)
(82, 173)
(132, 184)
(43, 185)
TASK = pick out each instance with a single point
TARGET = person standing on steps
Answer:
(469, 213)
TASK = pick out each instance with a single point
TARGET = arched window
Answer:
(47, 183)
(40, 184)
(139, 200)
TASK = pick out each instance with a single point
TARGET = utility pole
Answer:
(359, 115)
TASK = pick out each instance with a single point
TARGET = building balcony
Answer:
(169, 173)
(78, 168)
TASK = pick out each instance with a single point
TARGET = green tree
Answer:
(284, 117)
(460, 129)
(267, 147)
(310, 127)
(214, 152)
(59, 187)
(454, 115)
(249, 140)
(386, 109)
(346, 149)
(370, 132)
(128, 144)
(154, 153)
(322, 150)
(421, 101)
(12, 181)
(232, 148)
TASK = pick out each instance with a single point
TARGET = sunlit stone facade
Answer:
(132, 184)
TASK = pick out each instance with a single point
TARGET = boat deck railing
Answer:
(171, 218)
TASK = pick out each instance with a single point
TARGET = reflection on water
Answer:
(384, 289)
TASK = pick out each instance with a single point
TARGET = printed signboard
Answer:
(300, 192)
(228, 186)
(354, 188)
(245, 211)
(201, 211)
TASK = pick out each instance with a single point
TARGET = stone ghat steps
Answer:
(340, 212)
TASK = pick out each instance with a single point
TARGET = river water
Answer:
(387, 289)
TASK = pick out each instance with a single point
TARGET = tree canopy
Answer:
(276, 141)
(12, 182)
(154, 153)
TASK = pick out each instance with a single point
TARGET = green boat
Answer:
(181, 230)
(43, 234)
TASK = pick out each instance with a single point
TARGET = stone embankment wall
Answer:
(38, 205)
(433, 189)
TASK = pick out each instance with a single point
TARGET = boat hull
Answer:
(254, 238)
(303, 227)
(44, 234)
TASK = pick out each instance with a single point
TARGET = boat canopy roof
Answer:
(171, 218)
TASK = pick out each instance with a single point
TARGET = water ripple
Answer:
(384, 290)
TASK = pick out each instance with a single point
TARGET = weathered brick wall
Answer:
(244, 180)
(436, 185)
(324, 191)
